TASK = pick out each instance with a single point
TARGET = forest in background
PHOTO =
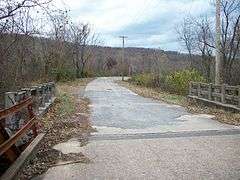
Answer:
(39, 43)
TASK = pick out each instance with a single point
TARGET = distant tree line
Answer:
(39, 42)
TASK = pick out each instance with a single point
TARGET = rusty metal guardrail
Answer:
(8, 142)
(18, 125)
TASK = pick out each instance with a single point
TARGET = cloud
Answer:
(148, 23)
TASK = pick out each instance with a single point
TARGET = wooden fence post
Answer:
(210, 91)
(223, 93)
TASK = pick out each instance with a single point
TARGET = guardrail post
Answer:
(41, 96)
(21, 115)
(27, 92)
(49, 85)
(48, 94)
(52, 90)
(223, 93)
(210, 91)
(199, 90)
(45, 93)
(34, 94)
(10, 100)
(31, 115)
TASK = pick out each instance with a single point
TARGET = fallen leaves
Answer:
(67, 118)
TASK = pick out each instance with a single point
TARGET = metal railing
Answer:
(18, 125)
(9, 139)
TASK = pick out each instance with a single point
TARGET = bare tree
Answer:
(16, 28)
(82, 40)
(186, 34)
(198, 36)
(9, 8)
(58, 34)
(205, 41)
(230, 42)
(110, 63)
(196, 33)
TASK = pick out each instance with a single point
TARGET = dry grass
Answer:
(193, 107)
(73, 87)
(67, 118)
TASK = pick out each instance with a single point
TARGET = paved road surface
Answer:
(119, 110)
(139, 138)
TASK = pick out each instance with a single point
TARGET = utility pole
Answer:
(218, 63)
(123, 56)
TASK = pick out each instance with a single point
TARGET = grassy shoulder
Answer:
(66, 119)
(158, 94)
(154, 93)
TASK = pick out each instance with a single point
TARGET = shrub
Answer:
(178, 81)
(145, 79)
(63, 74)
(175, 82)
(159, 80)
(87, 73)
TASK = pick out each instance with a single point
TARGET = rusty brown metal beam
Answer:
(9, 111)
(13, 152)
(7, 144)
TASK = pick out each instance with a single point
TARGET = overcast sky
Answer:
(147, 23)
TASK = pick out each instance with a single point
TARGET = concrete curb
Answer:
(179, 134)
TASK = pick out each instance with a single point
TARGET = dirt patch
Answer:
(193, 107)
(75, 88)
(68, 118)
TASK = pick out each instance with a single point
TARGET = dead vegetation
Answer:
(220, 115)
(68, 118)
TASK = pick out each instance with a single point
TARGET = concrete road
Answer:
(116, 109)
(139, 138)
